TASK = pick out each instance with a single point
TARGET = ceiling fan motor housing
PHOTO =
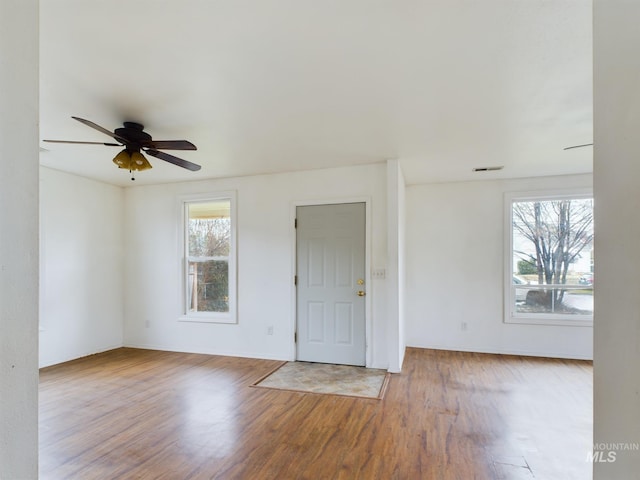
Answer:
(134, 135)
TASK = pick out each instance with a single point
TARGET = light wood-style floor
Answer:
(140, 414)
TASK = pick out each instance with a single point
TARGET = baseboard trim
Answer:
(526, 353)
(82, 355)
(205, 351)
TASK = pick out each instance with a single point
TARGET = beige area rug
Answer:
(327, 379)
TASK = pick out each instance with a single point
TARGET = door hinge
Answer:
(295, 337)
(295, 223)
(295, 280)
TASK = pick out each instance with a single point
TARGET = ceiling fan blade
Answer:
(578, 146)
(95, 126)
(84, 143)
(169, 145)
(175, 160)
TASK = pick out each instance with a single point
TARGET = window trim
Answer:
(510, 316)
(229, 317)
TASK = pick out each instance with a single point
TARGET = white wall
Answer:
(18, 239)
(402, 264)
(396, 206)
(81, 266)
(617, 249)
(266, 242)
(455, 273)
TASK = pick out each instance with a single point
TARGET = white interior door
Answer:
(331, 283)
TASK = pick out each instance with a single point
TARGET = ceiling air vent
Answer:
(487, 169)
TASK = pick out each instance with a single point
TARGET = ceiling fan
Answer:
(134, 139)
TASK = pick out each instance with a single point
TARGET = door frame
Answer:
(367, 267)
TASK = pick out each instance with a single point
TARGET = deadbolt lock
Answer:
(360, 281)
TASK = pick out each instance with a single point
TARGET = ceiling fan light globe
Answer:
(139, 162)
(123, 160)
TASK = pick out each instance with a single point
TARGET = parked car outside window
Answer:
(521, 293)
(586, 279)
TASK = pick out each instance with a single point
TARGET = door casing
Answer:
(367, 262)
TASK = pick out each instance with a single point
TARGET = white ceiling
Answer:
(279, 85)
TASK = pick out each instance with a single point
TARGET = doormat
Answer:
(328, 379)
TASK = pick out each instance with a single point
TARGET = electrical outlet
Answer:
(270, 330)
(464, 327)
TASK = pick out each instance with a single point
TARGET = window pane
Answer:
(209, 286)
(209, 229)
(209, 247)
(552, 257)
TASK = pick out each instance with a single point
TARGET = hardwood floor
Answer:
(140, 414)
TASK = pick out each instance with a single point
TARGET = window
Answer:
(550, 267)
(209, 260)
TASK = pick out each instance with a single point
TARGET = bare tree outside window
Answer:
(209, 238)
(553, 243)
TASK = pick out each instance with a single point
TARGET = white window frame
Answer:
(510, 314)
(229, 317)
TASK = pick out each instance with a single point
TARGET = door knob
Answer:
(361, 293)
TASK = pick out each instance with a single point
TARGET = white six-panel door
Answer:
(331, 283)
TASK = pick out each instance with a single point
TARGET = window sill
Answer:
(207, 318)
(551, 320)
